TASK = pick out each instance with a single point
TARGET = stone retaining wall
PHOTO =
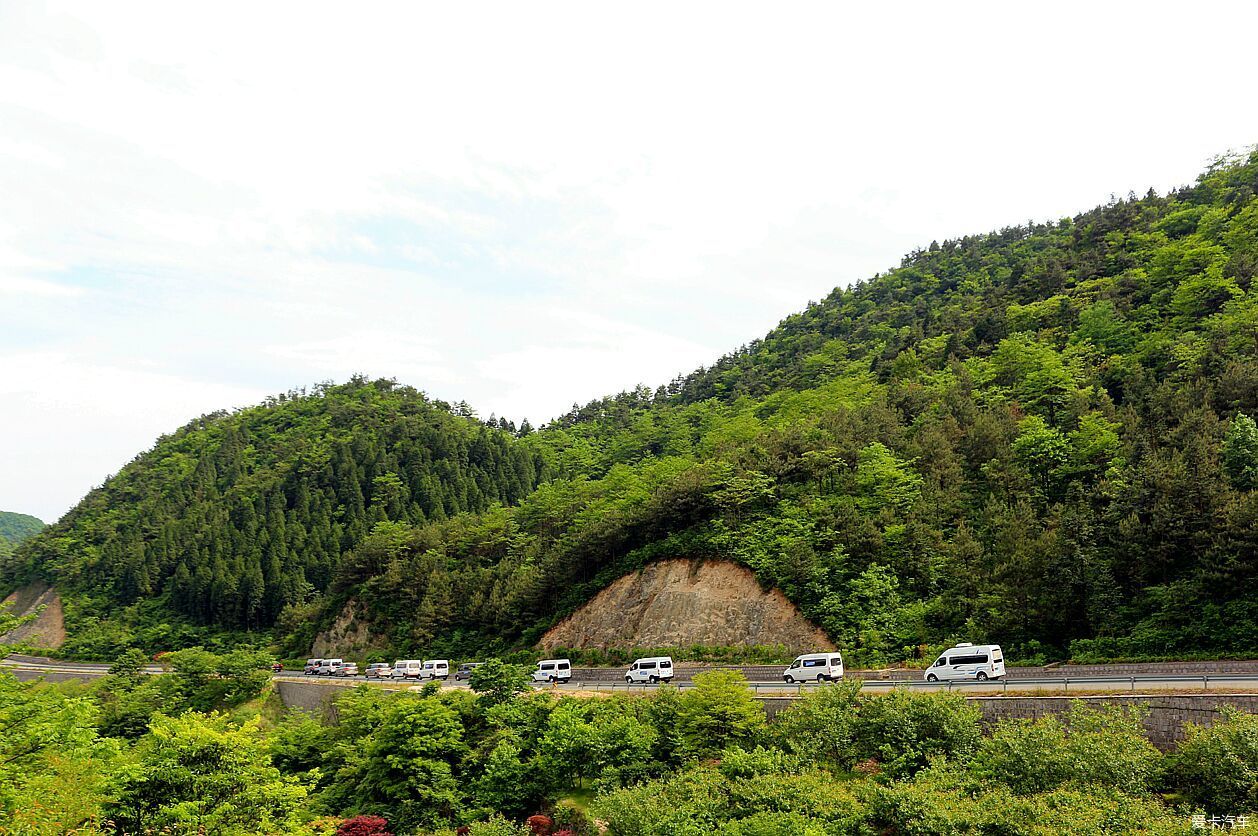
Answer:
(1165, 720)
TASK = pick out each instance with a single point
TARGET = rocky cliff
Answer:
(47, 628)
(680, 603)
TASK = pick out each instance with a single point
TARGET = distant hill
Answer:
(14, 528)
(1040, 436)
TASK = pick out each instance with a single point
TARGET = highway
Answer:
(599, 681)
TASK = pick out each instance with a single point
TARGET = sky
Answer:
(523, 206)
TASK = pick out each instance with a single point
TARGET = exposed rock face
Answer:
(48, 629)
(349, 636)
(678, 603)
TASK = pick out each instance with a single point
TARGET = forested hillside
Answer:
(14, 528)
(1038, 436)
(237, 516)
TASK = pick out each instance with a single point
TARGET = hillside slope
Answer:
(233, 518)
(14, 528)
(681, 603)
(1039, 436)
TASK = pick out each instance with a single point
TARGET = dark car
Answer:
(465, 670)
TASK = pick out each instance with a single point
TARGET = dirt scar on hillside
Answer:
(678, 603)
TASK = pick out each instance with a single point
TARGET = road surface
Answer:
(32, 667)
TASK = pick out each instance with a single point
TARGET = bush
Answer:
(1216, 767)
(496, 681)
(945, 800)
(717, 712)
(903, 731)
(364, 826)
(1102, 747)
(821, 727)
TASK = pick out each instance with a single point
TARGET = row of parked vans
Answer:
(965, 661)
(401, 669)
(979, 662)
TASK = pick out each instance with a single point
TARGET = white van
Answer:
(651, 669)
(968, 661)
(329, 667)
(553, 670)
(408, 669)
(815, 667)
(435, 669)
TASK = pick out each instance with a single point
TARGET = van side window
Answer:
(814, 663)
(836, 661)
(648, 665)
(666, 664)
(548, 667)
(563, 666)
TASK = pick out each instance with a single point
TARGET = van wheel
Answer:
(628, 680)
(552, 680)
(982, 677)
(790, 680)
(930, 677)
(655, 680)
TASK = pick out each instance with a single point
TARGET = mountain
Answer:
(1039, 436)
(14, 528)
(236, 516)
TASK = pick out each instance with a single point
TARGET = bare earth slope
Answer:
(678, 603)
(48, 628)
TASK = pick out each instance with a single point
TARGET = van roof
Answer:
(969, 646)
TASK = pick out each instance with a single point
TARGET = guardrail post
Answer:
(1067, 686)
(1133, 683)
(1205, 682)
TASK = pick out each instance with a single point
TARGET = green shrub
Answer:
(1104, 747)
(1216, 767)
(904, 731)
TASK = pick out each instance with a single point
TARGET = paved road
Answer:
(1070, 685)
(32, 667)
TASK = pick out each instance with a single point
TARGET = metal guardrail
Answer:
(986, 686)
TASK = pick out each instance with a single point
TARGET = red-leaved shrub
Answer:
(364, 826)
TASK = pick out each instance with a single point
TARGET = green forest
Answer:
(14, 528)
(207, 748)
(1042, 437)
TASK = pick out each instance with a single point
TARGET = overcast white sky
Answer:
(523, 205)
